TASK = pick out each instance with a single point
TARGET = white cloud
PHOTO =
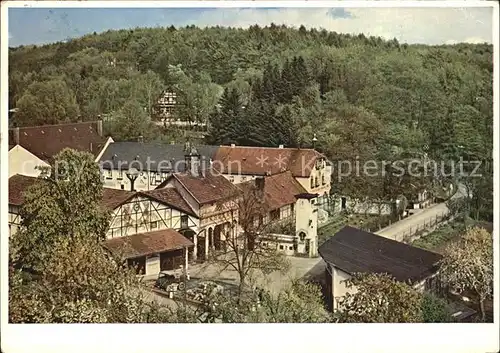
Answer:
(412, 25)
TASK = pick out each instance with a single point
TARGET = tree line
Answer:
(362, 97)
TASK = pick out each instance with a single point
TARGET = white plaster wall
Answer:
(306, 220)
(114, 179)
(23, 162)
(362, 207)
(152, 265)
(339, 288)
(325, 171)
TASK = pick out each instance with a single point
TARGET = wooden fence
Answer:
(414, 232)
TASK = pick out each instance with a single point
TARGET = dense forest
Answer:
(362, 96)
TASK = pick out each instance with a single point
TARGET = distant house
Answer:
(155, 162)
(352, 251)
(165, 105)
(309, 167)
(46, 141)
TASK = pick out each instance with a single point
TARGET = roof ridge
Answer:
(52, 125)
(265, 147)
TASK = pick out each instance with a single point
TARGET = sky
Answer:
(410, 25)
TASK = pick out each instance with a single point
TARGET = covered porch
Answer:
(152, 252)
(209, 238)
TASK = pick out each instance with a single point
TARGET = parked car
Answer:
(166, 278)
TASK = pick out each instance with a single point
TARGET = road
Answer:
(313, 268)
(398, 229)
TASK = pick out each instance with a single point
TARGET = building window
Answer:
(184, 222)
(302, 236)
(122, 187)
(275, 215)
(316, 182)
(281, 247)
(323, 179)
(154, 224)
(231, 179)
(109, 174)
(312, 183)
(120, 174)
(290, 248)
(243, 179)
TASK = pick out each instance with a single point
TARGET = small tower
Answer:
(192, 160)
(306, 224)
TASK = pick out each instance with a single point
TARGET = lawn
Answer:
(353, 220)
(439, 238)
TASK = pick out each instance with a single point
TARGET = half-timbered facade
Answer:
(210, 196)
(142, 213)
(149, 229)
(18, 184)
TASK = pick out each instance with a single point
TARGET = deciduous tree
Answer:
(468, 265)
(379, 298)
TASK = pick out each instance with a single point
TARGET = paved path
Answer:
(397, 230)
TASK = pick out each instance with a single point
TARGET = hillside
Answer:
(274, 85)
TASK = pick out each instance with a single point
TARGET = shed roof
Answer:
(143, 244)
(353, 250)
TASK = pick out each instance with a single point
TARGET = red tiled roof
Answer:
(265, 160)
(171, 197)
(206, 189)
(143, 244)
(279, 190)
(112, 198)
(18, 184)
(48, 140)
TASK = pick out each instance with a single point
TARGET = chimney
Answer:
(16, 136)
(281, 146)
(99, 127)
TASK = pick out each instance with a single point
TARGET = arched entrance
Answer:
(210, 238)
(217, 237)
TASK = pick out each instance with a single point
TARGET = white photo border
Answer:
(240, 337)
